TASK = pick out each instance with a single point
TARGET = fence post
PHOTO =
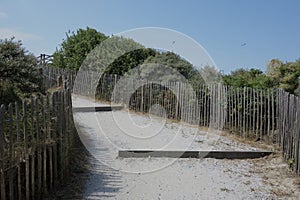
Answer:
(2, 156)
(11, 153)
(33, 143)
(54, 135)
(18, 151)
(25, 131)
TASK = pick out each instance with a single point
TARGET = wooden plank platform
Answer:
(193, 154)
(97, 109)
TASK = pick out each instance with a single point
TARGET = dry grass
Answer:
(251, 141)
(275, 172)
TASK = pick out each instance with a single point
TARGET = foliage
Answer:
(278, 74)
(297, 91)
(285, 75)
(76, 47)
(129, 61)
(120, 55)
(179, 65)
(174, 61)
(290, 73)
(210, 74)
(253, 78)
(19, 76)
(272, 68)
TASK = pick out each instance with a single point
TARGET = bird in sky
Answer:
(244, 44)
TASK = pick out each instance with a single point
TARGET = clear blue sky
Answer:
(236, 33)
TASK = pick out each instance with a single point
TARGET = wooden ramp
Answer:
(97, 109)
(193, 154)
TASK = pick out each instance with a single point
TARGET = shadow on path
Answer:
(89, 178)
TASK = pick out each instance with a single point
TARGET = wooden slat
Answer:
(2, 156)
(44, 148)
(11, 153)
(39, 150)
(97, 109)
(193, 154)
(26, 146)
(33, 147)
(18, 157)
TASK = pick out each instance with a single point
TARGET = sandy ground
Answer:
(100, 174)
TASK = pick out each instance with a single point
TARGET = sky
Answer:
(235, 33)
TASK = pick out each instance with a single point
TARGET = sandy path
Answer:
(105, 176)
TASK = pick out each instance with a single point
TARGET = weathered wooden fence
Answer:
(288, 127)
(271, 115)
(57, 77)
(244, 111)
(252, 112)
(205, 106)
(35, 143)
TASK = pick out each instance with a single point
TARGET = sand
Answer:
(103, 175)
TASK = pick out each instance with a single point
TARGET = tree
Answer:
(285, 75)
(253, 78)
(83, 49)
(273, 68)
(297, 91)
(210, 74)
(182, 66)
(172, 60)
(129, 61)
(117, 55)
(289, 76)
(76, 47)
(19, 76)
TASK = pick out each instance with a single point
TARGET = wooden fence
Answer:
(244, 111)
(204, 106)
(35, 143)
(288, 127)
(57, 77)
(271, 115)
(252, 112)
